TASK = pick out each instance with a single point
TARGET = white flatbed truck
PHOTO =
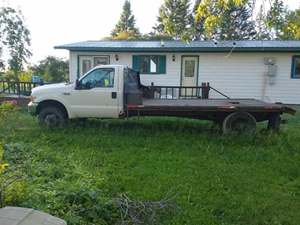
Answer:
(115, 91)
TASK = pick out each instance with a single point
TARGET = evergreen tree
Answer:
(263, 33)
(174, 19)
(125, 28)
(236, 23)
(276, 19)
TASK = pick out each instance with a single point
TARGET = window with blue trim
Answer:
(149, 64)
(296, 67)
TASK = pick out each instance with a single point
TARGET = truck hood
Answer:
(51, 88)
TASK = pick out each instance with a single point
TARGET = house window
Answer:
(190, 68)
(149, 64)
(86, 63)
(296, 67)
(101, 60)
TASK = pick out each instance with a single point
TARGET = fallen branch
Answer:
(144, 212)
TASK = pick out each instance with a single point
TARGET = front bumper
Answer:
(32, 106)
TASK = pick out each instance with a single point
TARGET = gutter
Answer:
(188, 50)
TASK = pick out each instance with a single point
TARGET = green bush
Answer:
(87, 206)
(6, 108)
(12, 183)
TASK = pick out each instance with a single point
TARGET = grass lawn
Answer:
(213, 179)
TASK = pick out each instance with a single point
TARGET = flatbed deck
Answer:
(205, 104)
(211, 109)
(194, 102)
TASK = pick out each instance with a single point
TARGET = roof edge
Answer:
(192, 49)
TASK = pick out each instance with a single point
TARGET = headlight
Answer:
(32, 98)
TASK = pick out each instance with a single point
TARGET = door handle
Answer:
(66, 93)
(114, 95)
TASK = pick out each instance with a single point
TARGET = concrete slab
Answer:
(24, 216)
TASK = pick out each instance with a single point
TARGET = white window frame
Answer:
(81, 58)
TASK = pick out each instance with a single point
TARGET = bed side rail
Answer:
(180, 92)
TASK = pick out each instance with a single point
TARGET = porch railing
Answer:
(17, 88)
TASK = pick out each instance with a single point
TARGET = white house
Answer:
(267, 70)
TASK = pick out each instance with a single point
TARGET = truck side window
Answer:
(103, 77)
(131, 77)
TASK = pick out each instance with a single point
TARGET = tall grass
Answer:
(215, 179)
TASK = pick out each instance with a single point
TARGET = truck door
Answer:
(96, 94)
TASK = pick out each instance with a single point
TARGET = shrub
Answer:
(12, 188)
(87, 206)
(7, 111)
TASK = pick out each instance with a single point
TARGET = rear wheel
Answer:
(52, 116)
(274, 122)
(239, 122)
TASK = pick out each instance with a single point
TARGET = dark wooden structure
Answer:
(210, 109)
(17, 87)
(195, 102)
(16, 91)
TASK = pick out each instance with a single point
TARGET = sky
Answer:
(55, 22)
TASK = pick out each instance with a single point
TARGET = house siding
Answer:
(239, 75)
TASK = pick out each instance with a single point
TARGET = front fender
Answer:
(58, 99)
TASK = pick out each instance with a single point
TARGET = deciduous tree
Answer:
(14, 36)
(227, 19)
(292, 29)
(52, 69)
(198, 25)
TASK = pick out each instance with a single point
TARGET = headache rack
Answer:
(180, 92)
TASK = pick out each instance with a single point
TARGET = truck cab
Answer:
(97, 94)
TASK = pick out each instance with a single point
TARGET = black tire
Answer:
(274, 122)
(217, 125)
(238, 123)
(52, 116)
(80, 121)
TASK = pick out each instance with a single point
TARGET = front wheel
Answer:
(239, 122)
(51, 117)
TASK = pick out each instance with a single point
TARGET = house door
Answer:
(189, 74)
